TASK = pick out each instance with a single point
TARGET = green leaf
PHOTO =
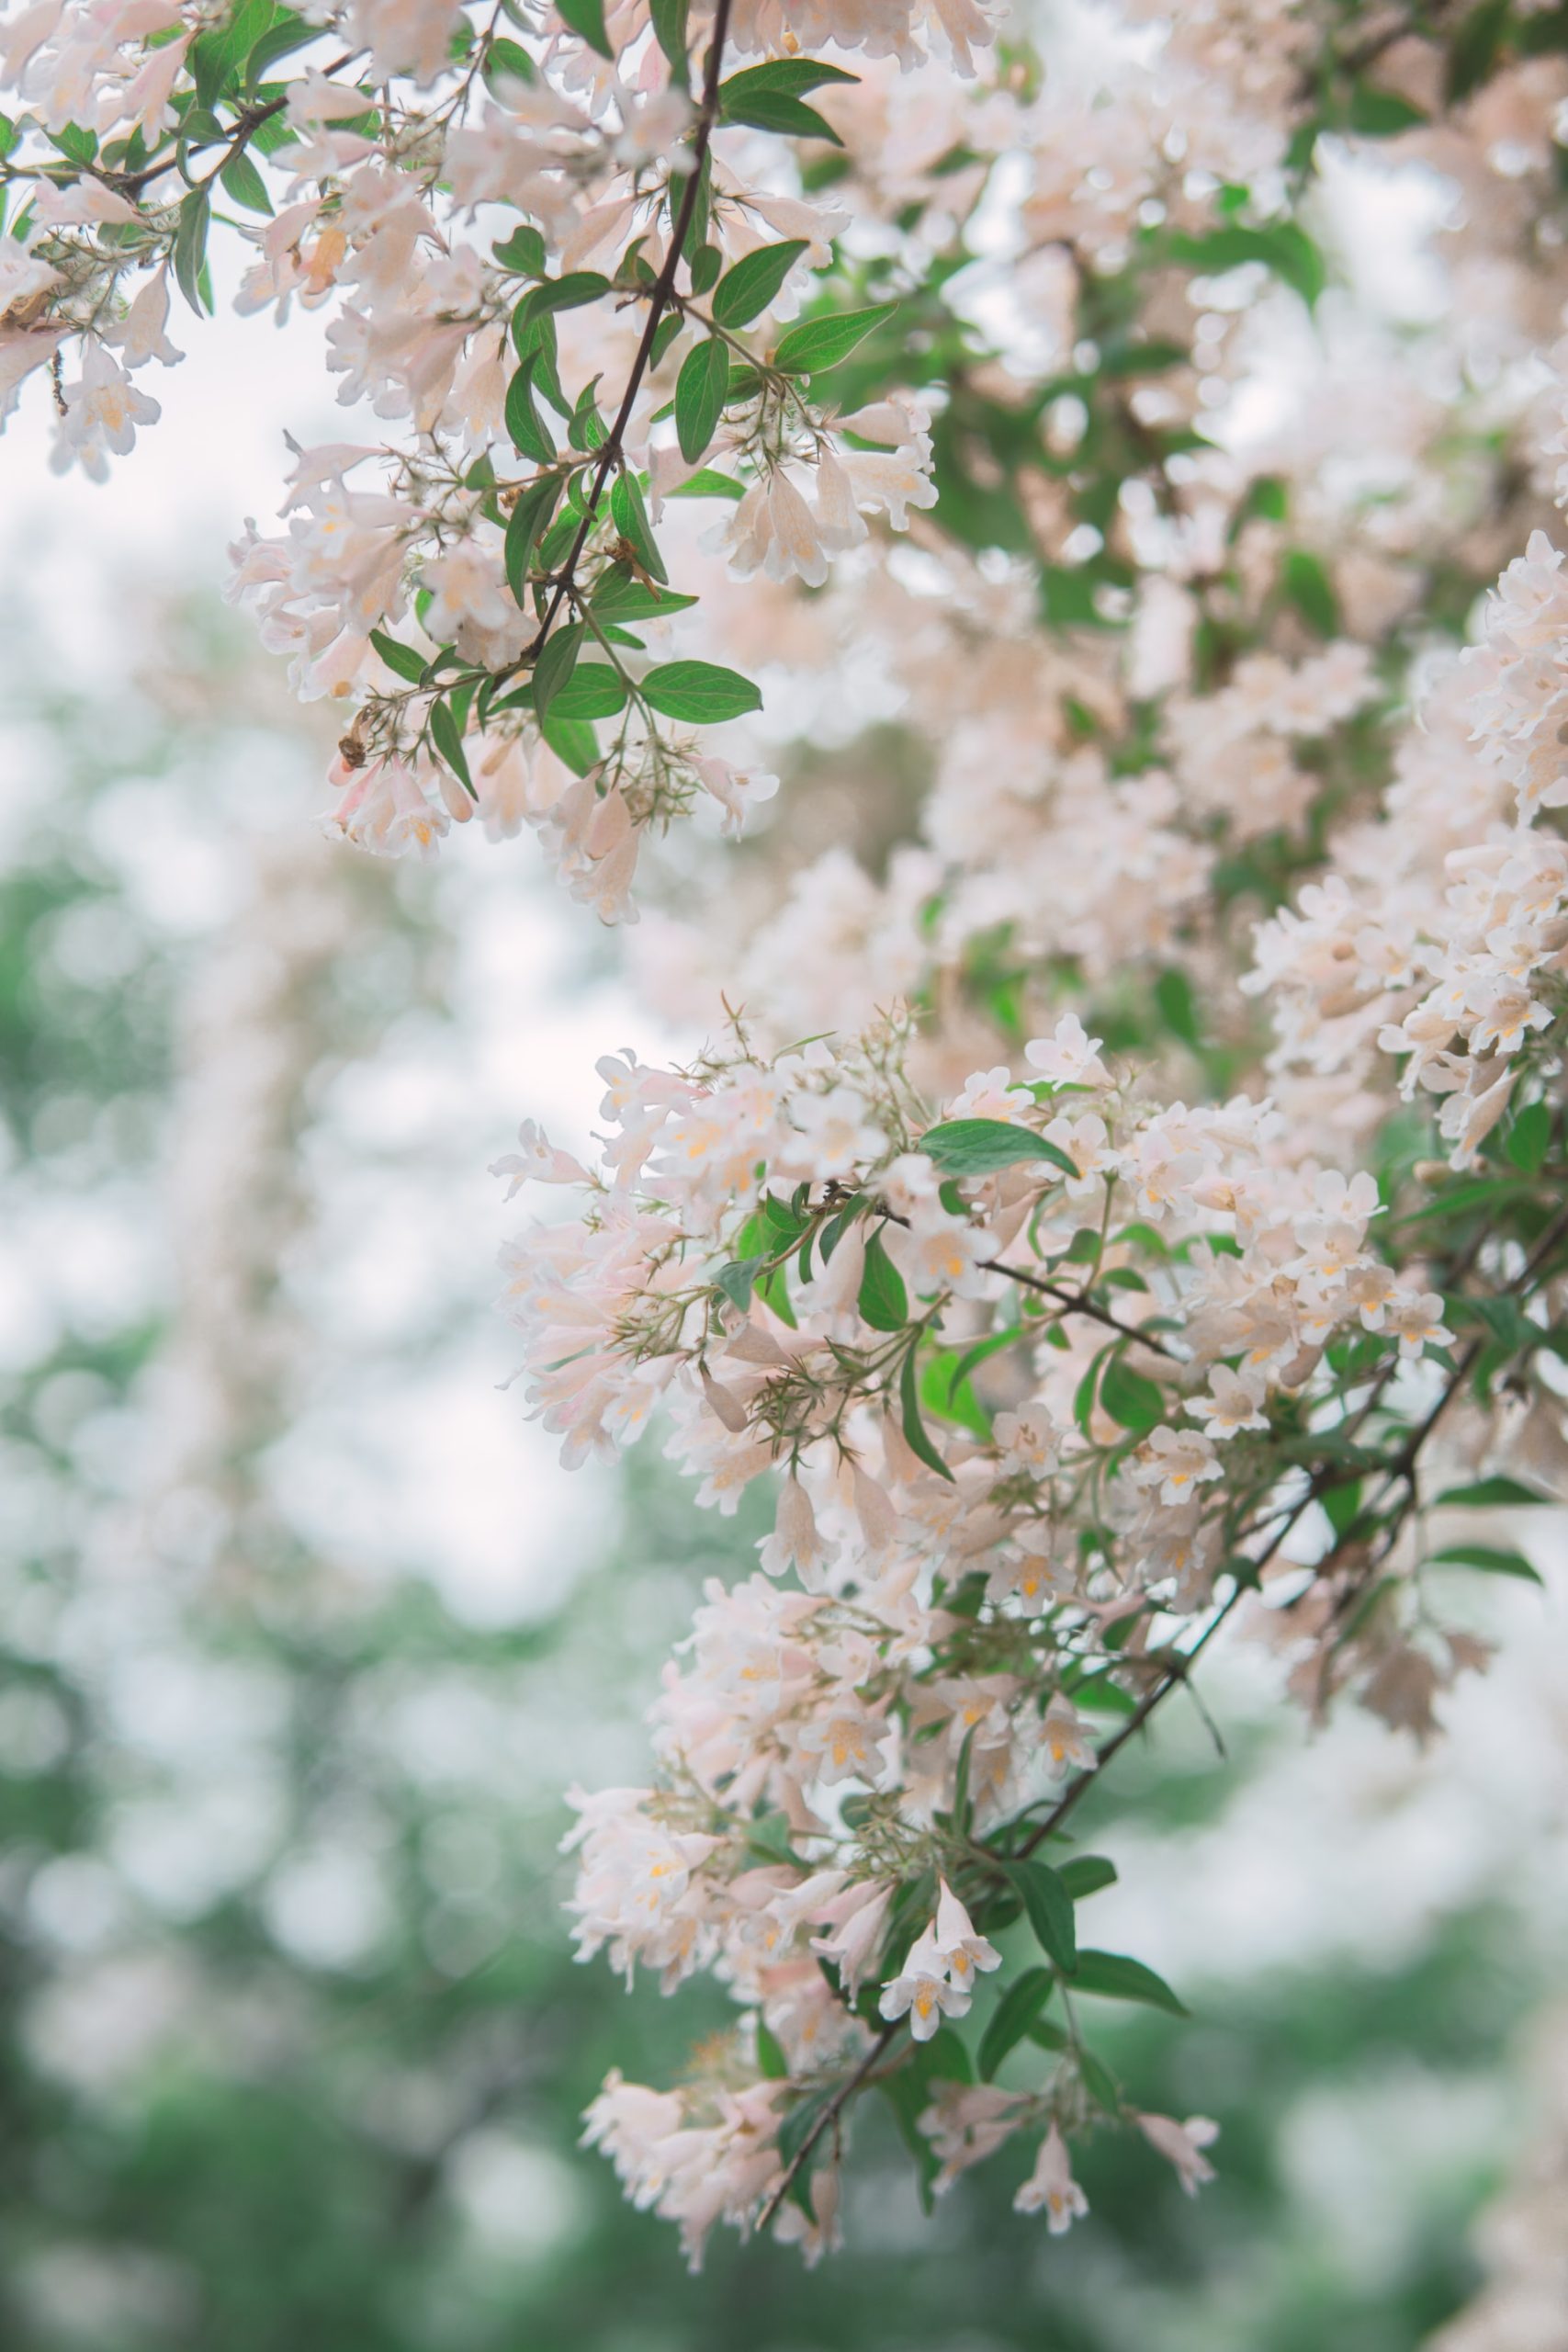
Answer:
(1503, 1494)
(908, 2093)
(709, 483)
(571, 739)
(670, 31)
(771, 2060)
(190, 244)
(631, 519)
(789, 77)
(1282, 247)
(818, 344)
(217, 55)
(979, 1146)
(556, 664)
(1475, 49)
(1050, 1909)
(915, 1435)
(754, 282)
(1492, 1563)
(401, 658)
(523, 252)
(619, 596)
(505, 61)
(802, 2120)
(290, 33)
(699, 396)
(1116, 1978)
(586, 18)
(1086, 1874)
(534, 342)
(1306, 585)
(447, 739)
(945, 1389)
(1100, 2082)
(523, 420)
(946, 2059)
(1012, 2016)
(1177, 1006)
(737, 1281)
(774, 110)
(593, 691)
(884, 1301)
(1530, 1138)
(700, 692)
(243, 181)
(1381, 114)
(527, 520)
(569, 293)
(1129, 1398)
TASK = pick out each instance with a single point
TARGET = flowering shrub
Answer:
(1043, 403)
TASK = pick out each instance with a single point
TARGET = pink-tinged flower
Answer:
(855, 1919)
(1068, 1056)
(1068, 1747)
(1182, 2144)
(1051, 2187)
(952, 1938)
(1417, 1317)
(1176, 1461)
(1234, 1401)
(923, 1991)
(537, 1161)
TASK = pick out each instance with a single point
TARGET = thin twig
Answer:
(658, 302)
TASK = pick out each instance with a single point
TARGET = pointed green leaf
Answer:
(1050, 1910)
(527, 520)
(915, 1435)
(631, 520)
(1499, 1492)
(1014, 2014)
(522, 253)
(190, 245)
(1086, 1874)
(700, 693)
(699, 396)
(818, 344)
(979, 1146)
(1129, 1398)
(884, 1301)
(1530, 1138)
(523, 419)
(446, 736)
(401, 658)
(670, 31)
(586, 18)
(774, 110)
(1116, 1978)
(593, 691)
(571, 739)
(754, 282)
(556, 664)
(1492, 1563)
(243, 181)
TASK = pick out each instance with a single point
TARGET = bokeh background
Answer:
(303, 1634)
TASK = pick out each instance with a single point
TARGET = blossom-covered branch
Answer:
(1158, 1229)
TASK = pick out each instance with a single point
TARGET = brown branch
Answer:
(658, 302)
(829, 2116)
(1078, 1302)
(1178, 1673)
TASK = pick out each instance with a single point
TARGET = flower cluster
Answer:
(1017, 376)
